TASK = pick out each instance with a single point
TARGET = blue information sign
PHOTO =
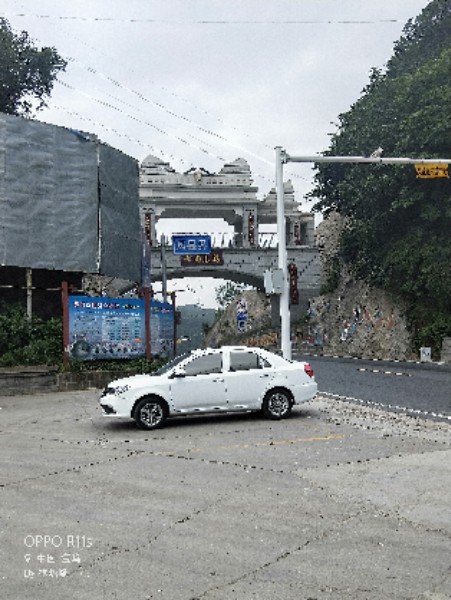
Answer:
(106, 328)
(191, 244)
(111, 328)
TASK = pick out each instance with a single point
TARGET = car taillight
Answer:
(308, 369)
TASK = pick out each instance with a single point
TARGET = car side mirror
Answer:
(178, 372)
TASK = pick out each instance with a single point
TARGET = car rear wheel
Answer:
(277, 404)
(151, 413)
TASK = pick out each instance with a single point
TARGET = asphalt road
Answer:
(421, 389)
(339, 502)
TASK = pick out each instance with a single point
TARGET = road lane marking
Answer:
(362, 369)
(272, 443)
(405, 409)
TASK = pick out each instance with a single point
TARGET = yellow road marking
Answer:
(274, 443)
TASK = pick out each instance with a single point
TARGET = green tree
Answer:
(27, 73)
(398, 237)
(227, 292)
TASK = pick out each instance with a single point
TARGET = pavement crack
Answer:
(280, 557)
(76, 469)
(116, 551)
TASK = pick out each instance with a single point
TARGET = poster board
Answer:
(115, 328)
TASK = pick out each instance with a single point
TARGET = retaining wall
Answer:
(17, 382)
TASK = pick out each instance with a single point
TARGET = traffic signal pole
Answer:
(285, 342)
(281, 158)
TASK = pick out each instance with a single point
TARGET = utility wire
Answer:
(207, 21)
(118, 84)
(161, 106)
(96, 72)
(138, 94)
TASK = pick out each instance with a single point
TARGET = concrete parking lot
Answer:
(338, 502)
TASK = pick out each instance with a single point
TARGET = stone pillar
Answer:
(309, 231)
(238, 232)
(289, 231)
(298, 233)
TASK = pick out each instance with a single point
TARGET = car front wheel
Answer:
(150, 413)
(277, 404)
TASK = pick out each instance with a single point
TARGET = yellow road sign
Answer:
(431, 171)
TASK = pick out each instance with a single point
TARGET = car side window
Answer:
(265, 364)
(245, 361)
(203, 365)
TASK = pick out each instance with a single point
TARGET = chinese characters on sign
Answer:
(106, 328)
(432, 171)
(293, 282)
(215, 258)
(191, 244)
(161, 328)
(113, 328)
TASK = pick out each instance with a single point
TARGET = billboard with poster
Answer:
(161, 328)
(115, 328)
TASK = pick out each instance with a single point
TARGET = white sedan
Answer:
(227, 379)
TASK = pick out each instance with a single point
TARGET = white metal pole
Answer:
(366, 159)
(283, 157)
(285, 344)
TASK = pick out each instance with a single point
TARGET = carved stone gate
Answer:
(246, 253)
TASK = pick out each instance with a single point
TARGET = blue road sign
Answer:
(191, 244)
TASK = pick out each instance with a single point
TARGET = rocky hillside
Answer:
(252, 327)
(351, 318)
(359, 321)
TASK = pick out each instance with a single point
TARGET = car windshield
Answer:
(170, 365)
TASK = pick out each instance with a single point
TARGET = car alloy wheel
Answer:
(277, 405)
(150, 413)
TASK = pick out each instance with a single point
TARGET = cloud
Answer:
(196, 92)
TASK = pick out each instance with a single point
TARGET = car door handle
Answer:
(264, 375)
(218, 380)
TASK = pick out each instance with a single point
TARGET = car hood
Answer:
(136, 381)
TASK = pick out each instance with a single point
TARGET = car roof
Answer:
(201, 351)
(229, 348)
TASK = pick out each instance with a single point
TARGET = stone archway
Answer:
(229, 195)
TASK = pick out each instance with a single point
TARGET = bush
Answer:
(137, 365)
(25, 341)
(28, 342)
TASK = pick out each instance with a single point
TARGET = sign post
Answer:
(147, 297)
(174, 336)
(65, 305)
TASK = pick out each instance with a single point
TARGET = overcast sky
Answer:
(200, 82)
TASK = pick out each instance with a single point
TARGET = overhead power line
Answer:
(182, 117)
(161, 106)
(208, 21)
